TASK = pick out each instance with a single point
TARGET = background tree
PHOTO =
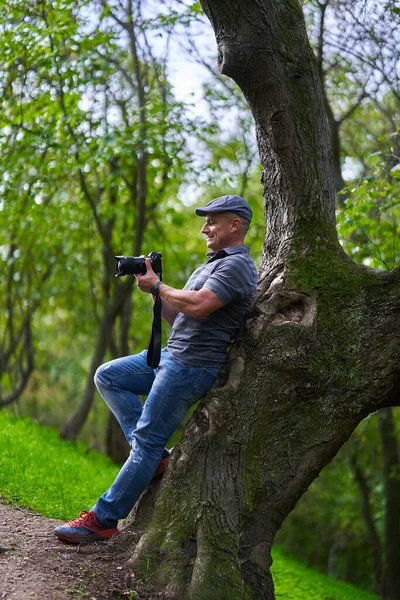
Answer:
(357, 48)
(71, 111)
(338, 526)
(90, 105)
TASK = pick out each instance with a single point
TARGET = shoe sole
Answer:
(88, 539)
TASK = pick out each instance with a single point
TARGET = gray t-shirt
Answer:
(231, 275)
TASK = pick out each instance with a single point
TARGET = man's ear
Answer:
(236, 223)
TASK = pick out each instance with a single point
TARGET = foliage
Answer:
(370, 138)
(360, 43)
(326, 530)
(92, 142)
(368, 224)
(81, 116)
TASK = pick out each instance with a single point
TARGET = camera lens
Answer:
(130, 265)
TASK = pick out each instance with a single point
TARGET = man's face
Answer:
(220, 231)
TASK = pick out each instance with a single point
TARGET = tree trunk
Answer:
(333, 124)
(117, 447)
(334, 128)
(122, 294)
(318, 353)
(392, 504)
(366, 511)
(75, 423)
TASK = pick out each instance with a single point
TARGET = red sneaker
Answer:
(161, 468)
(85, 529)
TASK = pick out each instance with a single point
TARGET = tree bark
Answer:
(318, 353)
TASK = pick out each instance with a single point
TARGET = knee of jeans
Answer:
(99, 376)
(148, 445)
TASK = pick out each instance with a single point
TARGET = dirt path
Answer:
(34, 565)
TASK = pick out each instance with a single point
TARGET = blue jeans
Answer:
(171, 389)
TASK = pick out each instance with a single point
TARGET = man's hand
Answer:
(146, 282)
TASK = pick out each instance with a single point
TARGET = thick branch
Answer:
(264, 48)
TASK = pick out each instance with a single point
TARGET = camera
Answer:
(133, 265)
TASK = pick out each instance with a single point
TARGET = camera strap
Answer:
(154, 350)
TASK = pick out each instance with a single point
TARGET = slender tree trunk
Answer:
(334, 128)
(117, 447)
(75, 423)
(16, 346)
(302, 374)
(366, 511)
(23, 367)
(73, 426)
(392, 504)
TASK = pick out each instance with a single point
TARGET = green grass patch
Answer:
(294, 581)
(41, 472)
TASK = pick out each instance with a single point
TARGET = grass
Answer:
(59, 479)
(43, 473)
(294, 581)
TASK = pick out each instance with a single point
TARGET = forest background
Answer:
(102, 154)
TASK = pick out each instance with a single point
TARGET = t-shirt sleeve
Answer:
(230, 280)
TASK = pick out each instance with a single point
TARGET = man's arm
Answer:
(197, 304)
(168, 312)
(190, 302)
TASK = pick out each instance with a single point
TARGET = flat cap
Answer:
(235, 204)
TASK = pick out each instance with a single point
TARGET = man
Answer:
(204, 316)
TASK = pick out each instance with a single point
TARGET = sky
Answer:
(185, 73)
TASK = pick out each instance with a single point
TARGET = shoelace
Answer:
(84, 518)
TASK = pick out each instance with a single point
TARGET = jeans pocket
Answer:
(212, 371)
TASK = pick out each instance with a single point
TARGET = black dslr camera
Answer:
(132, 265)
